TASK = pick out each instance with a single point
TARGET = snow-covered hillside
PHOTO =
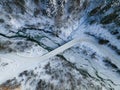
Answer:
(59, 45)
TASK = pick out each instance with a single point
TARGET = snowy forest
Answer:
(59, 45)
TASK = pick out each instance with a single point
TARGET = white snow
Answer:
(12, 64)
(21, 63)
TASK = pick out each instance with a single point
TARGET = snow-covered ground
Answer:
(41, 50)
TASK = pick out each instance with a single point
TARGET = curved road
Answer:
(19, 63)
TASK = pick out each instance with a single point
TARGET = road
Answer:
(20, 63)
